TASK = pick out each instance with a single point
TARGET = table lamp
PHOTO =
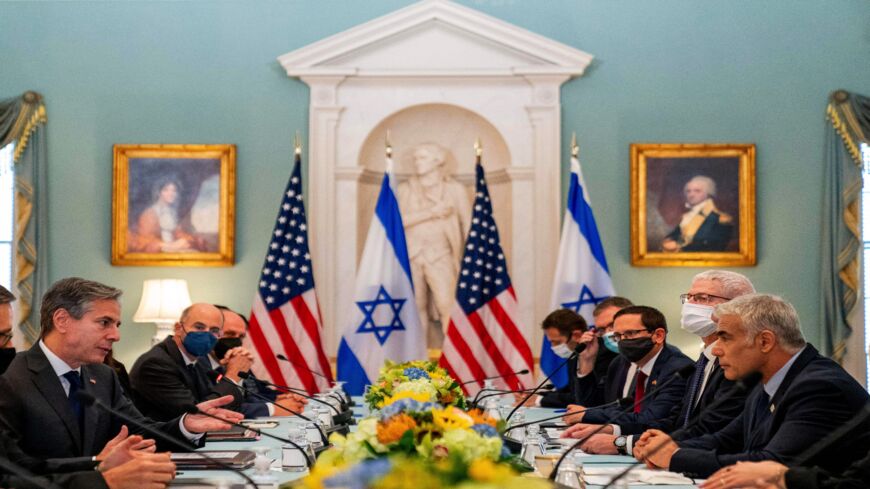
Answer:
(162, 302)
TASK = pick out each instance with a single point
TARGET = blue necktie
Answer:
(695, 386)
(75, 385)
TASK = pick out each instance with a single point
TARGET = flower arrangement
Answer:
(419, 380)
(420, 445)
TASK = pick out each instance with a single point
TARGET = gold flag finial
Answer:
(297, 144)
(478, 148)
(387, 144)
(575, 148)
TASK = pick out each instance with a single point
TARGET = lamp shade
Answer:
(163, 300)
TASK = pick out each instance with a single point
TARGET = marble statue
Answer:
(436, 212)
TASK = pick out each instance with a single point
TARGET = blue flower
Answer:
(359, 476)
(406, 405)
(485, 430)
(414, 373)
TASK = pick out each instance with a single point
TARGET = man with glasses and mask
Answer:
(229, 358)
(708, 383)
(645, 361)
(168, 377)
(7, 349)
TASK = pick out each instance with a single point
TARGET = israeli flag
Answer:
(383, 323)
(582, 278)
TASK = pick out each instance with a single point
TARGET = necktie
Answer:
(639, 388)
(197, 381)
(75, 385)
(762, 410)
(695, 386)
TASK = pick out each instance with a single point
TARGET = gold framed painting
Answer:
(173, 204)
(693, 205)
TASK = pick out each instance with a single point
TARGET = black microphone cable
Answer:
(577, 351)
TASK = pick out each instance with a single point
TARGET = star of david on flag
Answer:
(582, 278)
(380, 326)
(389, 319)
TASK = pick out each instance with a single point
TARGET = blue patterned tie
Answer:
(695, 386)
(75, 385)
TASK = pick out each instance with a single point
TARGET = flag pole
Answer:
(297, 144)
(478, 150)
(575, 148)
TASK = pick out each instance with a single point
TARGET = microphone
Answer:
(519, 372)
(88, 399)
(247, 375)
(501, 392)
(216, 377)
(682, 373)
(192, 409)
(622, 401)
(577, 351)
(740, 387)
(283, 358)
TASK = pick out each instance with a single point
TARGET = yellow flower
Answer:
(485, 470)
(480, 417)
(451, 419)
(392, 430)
(417, 396)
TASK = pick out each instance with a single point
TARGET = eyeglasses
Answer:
(705, 299)
(5, 338)
(627, 335)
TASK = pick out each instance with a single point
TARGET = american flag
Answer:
(483, 339)
(285, 317)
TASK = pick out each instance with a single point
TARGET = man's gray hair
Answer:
(75, 295)
(707, 181)
(759, 312)
(733, 284)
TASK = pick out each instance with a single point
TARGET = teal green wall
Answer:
(205, 72)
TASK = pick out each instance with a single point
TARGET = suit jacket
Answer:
(35, 410)
(711, 421)
(713, 235)
(857, 476)
(580, 391)
(163, 385)
(66, 473)
(815, 397)
(251, 406)
(660, 401)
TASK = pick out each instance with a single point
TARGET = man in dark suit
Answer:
(703, 227)
(708, 384)
(802, 397)
(39, 406)
(121, 470)
(645, 362)
(7, 349)
(229, 357)
(167, 378)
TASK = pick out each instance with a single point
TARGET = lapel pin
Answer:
(772, 408)
(654, 382)
(92, 381)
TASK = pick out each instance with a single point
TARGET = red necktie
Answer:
(639, 387)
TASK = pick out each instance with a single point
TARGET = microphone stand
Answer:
(739, 388)
(683, 372)
(283, 358)
(500, 392)
(247, 375)
(192, 409)
(520, 372)
(88, 399)
(577, 350)
(14, 469)
(550, 418)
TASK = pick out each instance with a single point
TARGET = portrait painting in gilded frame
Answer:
(173, 205)
(693, 205)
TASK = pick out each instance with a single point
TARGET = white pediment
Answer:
(432, 38)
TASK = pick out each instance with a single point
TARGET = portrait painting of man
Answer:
(172, 206)
(691, 201)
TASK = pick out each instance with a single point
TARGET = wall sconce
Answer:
(162, 302)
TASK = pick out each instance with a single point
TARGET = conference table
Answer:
(603, 465)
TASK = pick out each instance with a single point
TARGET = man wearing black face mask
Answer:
(644, 362)
(229, 358)
(7, 349)
(168, 377)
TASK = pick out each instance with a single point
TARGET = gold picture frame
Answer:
(173, 204)
(671, 226)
